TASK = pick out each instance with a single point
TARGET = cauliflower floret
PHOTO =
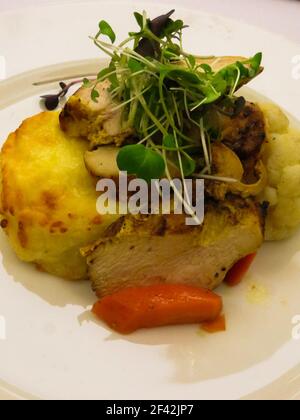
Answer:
(276, 120)
(282, 150)
(283, 219)
(290, 182)
(282, 159)
(271, 196)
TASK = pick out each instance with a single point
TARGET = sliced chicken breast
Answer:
(98, 122)
(144, 250)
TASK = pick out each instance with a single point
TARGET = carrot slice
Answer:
(158, 305)
(218, 325)
(239, 270)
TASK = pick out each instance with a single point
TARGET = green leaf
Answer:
(139, 18)
(220, 84)
(95, 95)
(110, 74)
(243, 69)
(141, 161)
(107, 30)
(180, 75)
(103, 73)
(172, 51)
(255, 62)
(192, 60)
(135, 34)
(86, 82)
(135, 65)
(169, 142)
(189, 165)
(178, 25)
(113, 78)
(173, 27)
(207, 69)
(211, 94)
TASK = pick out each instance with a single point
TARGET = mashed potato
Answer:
(282, 158)
(48, 198)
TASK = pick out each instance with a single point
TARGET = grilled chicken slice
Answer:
(218, 63)
(102, 162)
(98, 122)
(242, 137)
(244, 133)
(238, 153)
(144, 250)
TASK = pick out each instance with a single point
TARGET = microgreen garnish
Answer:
(105, 29)
(52, 101)
(141, 161)
(165, 96)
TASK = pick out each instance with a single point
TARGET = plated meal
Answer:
(156, 112)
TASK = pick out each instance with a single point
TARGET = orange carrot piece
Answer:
(239, 270)
(158, 305)
(218, 325)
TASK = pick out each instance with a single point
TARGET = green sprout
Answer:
(165, 94)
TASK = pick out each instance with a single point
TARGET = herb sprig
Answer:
(51, 101)
(165, 94)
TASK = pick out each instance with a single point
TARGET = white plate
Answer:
(54, 349)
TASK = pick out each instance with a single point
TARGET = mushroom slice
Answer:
(102, 162)
(226, 163)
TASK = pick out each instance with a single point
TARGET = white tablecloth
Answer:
(281, 16)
